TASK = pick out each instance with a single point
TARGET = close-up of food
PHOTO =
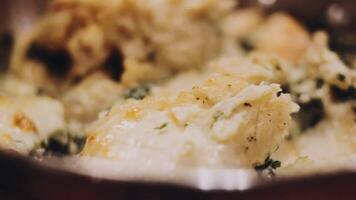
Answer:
(158, 90)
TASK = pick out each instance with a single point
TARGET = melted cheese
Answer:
(25, 122)
(226, 121)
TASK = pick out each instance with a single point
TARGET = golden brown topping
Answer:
(133, 114)
(284, 36)
(97, 145)
(91, 139)
(24, 123)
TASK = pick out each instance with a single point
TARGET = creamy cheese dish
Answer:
(180, 82)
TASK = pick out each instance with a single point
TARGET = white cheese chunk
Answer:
(226, 121)
(25, 122)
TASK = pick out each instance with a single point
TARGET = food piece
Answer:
(24, 123)
(78, 37)
(179, 83)
(59, 143)
(227, 121)
(323, 85)
(268, 166)
(95, 93)
(241, 23)
(324, 90)
(138, 92)
(282, 35)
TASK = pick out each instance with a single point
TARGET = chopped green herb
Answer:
(162, 126)
(276, 164)
(269, 165)
(217, 116)
(60, 143)
(138, 93)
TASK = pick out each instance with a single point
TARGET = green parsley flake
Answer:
(217, 116)
(269, 165)
(162, 126)
(138, 93)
